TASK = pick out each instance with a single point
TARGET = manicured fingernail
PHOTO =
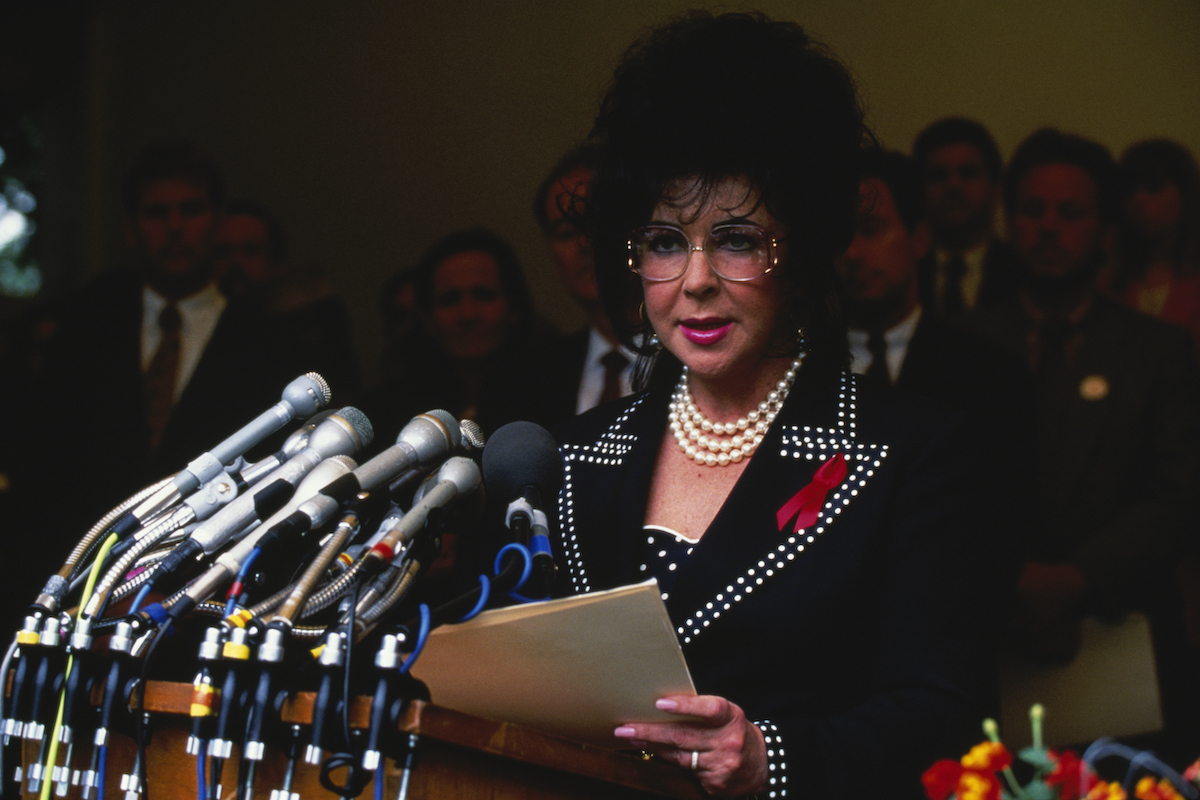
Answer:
(665, 704)
(624, 732)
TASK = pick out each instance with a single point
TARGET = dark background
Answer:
(373, 127)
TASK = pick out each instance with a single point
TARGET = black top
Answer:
(855, 638)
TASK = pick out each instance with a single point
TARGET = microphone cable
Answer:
(357, 778)
(52, 753)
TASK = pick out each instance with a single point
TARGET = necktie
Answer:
(614, 363)
(162, 374)
(953, 301)
(877, 374)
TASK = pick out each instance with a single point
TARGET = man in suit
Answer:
(1118, 444)
(967, 267)
(151, 366)
(596, 368)
(894, 341)
(909, 356)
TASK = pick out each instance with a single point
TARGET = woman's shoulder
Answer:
(620, 418)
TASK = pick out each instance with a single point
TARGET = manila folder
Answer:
(576, 667)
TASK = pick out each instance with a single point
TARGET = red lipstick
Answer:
(704, 332)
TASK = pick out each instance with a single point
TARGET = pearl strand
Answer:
(700, 438)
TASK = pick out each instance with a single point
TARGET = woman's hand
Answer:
(730, 756)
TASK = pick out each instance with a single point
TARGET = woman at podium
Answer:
(812, 544)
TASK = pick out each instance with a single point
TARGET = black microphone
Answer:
(521, 461)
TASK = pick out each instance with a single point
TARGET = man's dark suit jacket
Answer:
(1000, 284)
(1118, 464)
(89, 448)
(851, 637)
(564, 377)
(966, 372)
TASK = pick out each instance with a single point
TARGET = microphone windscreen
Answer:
(518, 455)
(359, 422)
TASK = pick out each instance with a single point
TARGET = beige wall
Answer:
(373, 127)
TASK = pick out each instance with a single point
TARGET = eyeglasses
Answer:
(738, 252)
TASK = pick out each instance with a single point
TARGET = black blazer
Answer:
(853, 638)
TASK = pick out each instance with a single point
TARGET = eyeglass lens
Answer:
(735, 252)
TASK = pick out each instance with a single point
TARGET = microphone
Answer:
(457, 478)
(228, 563)
(522, 461)
(339, 434)
(302, 398)
(427, 440)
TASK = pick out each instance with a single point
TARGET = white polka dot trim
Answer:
(776, 760)
(608, 451)
(811, 443)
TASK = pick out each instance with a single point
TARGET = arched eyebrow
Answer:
(732, 220)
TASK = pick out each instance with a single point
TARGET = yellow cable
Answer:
(52, 756)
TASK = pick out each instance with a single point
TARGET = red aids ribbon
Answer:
(808, 501)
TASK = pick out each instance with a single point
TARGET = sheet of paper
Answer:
(1110, 689)
(576, 667)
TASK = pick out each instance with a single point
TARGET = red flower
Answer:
(1066, 775)
(942, 779)
(972, 778)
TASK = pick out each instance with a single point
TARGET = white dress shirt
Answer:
(895, 339)
(198, 314)
(591, 385)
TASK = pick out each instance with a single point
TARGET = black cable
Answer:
(140, 710)
(353, 594)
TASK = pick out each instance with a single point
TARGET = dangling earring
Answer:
(642, 313)
(654, 341)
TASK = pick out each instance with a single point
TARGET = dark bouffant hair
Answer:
(483, 240)
(171, 160)
(958, 130)
(1052, 146)
(735, 95)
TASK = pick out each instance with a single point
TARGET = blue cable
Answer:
(201, 780)
(243, 570)
(140, 598)
(485, 590)
(528, 559)
(100, 772)
(379, 782)
(422, 635)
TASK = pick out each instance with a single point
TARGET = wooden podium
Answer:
(458, 756)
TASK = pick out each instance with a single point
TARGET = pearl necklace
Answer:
(700, 438)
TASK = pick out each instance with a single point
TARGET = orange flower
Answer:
(987, 757)
(1107, 791)
(972, 778)
(978, 786)
(1147, 789)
